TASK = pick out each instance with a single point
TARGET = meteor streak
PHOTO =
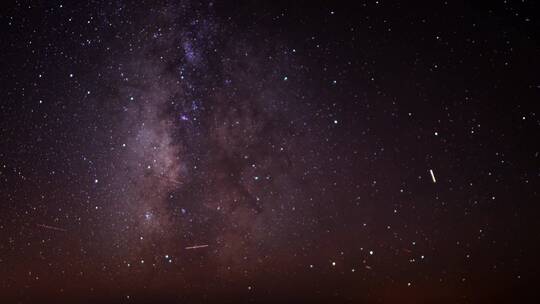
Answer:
(196, 247)
(432, 176)
(51, 227)
(174, 181)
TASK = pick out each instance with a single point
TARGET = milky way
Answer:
(177, 151)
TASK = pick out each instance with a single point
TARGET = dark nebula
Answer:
(269, 152)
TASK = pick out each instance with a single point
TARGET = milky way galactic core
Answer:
(262, 151)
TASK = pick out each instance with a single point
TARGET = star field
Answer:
(268, 152)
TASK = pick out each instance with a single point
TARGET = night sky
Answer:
(269, 152)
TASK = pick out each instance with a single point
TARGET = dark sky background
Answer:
(263, 151)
